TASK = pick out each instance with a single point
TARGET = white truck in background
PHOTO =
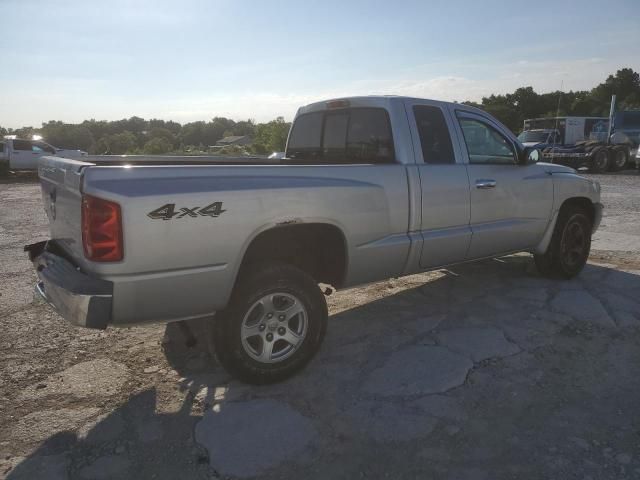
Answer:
(21, 154)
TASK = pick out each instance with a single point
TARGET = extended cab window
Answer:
(485, 145)
(434, 135)
(352, 135)
(22, 145)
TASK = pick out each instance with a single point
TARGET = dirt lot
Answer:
(486, 371)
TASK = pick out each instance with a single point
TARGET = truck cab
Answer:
(627, 128)
(541, 138)
(23, 154)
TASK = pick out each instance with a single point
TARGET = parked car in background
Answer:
(369, 188)
(21, 154)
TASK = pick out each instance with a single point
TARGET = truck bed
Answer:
(219, 206)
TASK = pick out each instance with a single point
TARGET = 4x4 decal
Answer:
(168, 211)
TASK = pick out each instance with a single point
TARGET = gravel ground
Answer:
(620, 227)
(486, 371)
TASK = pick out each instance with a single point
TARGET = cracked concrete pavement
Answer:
(485, 371)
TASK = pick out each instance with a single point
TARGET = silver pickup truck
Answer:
(370, 188)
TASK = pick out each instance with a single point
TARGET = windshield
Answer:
(533, 136)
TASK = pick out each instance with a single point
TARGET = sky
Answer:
(188, 60)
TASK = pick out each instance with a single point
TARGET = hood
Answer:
(555, 168)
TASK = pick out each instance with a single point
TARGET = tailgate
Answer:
(60, 180)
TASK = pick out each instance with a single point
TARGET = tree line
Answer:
(513, 108)
(137, 135)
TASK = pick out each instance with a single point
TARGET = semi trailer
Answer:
(594, 144)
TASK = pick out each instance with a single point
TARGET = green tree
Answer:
(157, 146)
(244, 127)
(625, 83)
(512, 108)
(173, 127)
(117, 144)
(164, 133)
(65, 135)
(271, 136)
(25, 132)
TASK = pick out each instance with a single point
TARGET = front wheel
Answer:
(620, 158)
(570, 245)
(273, 326)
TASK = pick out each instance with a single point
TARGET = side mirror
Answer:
(530, 155)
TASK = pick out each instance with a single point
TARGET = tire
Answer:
(619, 158)
(273, 326)
(570, 244)
(599, 160)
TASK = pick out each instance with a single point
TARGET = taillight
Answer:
(338, 104)
(101, 230)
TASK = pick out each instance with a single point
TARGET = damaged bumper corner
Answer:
(82, 300)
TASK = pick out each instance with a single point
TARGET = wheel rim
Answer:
(274, 327)
(574, 243)
(621, 159)
(601, 160)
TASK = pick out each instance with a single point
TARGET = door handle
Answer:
(485, 183)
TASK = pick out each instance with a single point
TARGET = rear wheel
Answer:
(273, 325)
(620, 158)
(599, 160)
(570, 245)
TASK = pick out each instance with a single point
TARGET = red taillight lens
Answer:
(338, 104)
(101, 229)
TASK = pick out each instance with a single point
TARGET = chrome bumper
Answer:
(82, 300)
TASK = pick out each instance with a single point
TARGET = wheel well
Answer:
(583, 203)
(318, 249)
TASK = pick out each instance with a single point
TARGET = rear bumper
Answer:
(82, 300)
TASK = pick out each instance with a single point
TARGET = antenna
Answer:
(612, 110)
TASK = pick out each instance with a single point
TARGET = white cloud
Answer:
(73, 100)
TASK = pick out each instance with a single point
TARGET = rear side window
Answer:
(434, 135)
(22, 145)
(306, 136)
(355, 135)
